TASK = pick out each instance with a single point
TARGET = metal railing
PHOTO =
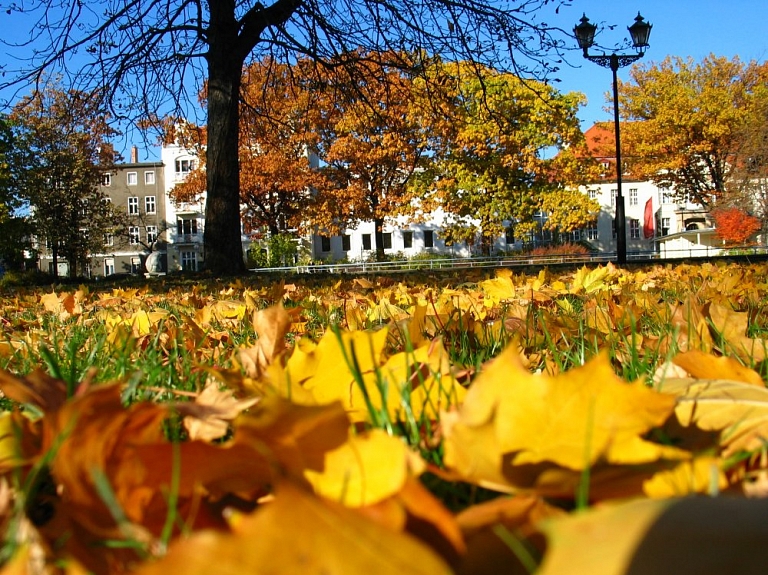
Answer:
(453, 263)
(513, 261)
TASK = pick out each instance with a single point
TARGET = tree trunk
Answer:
(223, 246)
(55, 258)
(379, 238)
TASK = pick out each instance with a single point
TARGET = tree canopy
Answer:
(495, 154)
(60, 153)
(688, 123)
(143, 55)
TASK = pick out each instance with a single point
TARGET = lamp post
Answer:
(585, 35)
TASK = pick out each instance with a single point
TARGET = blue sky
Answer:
(694, 28)
(683, 28)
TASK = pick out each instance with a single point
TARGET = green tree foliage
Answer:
(686, 122)
(494, 137)
(14, 233)
(59, 157)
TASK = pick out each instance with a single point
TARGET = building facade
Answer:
(164, 236)
(137, 190)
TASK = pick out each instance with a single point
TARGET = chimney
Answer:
(134, 155)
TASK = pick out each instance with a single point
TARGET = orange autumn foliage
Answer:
(735, 226)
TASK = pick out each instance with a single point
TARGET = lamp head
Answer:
(585, 33)
(640, 32)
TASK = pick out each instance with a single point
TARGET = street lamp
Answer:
(585, 35)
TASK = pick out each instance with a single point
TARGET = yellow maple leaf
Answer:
(511, 417)
(702, 365)
(366, 469)
(590, 280)
(345, 366)
(739, 411)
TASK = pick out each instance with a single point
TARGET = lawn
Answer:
(568, 421)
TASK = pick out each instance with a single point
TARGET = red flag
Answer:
(648, 220)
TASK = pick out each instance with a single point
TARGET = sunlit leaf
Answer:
(300, 533)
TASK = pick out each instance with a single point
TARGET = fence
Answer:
(454, 263)
(509, 261)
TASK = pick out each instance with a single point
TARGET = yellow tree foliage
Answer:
(685, 121)
(495, 162)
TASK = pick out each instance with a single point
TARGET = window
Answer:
(109, 266)
(346, 242)
(407, 239)
(133, 235)
(133, 206)
(150, 204)
(593, 194)
(509, 235)
(135, 265)
(429, 238)
(576, 235)
(133, 178)
(187, 226)
(109, 240)
(634, 229)
(614, 193)
(183, 167)
(106, 180)
(591, 233)
(325, 243)
(386, 240)
(666, 196)
(189, 261)
(633, 196)
(149, 178)
(366, 241)
(151, 234)
(665, 225)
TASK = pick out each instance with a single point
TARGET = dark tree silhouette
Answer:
(142, 55)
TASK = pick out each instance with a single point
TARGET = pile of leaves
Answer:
(601, 420)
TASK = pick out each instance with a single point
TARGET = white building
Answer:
(653, 219)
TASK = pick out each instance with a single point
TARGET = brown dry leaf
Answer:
(738, 410)
(300, 533)
(700, 365)
(691, 320)
(38, 388)
(293, 438)
(214, 409)
(732, 327)
(270, 325)
(96, 441)
(65, 305)
(706, 536)
(517, 517)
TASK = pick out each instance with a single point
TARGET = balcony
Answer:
(187, 238)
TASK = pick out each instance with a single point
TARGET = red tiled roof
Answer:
(601, 142)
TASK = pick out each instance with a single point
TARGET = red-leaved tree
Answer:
(735, 226)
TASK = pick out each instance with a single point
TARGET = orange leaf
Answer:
(700, 365)
(300, 533)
